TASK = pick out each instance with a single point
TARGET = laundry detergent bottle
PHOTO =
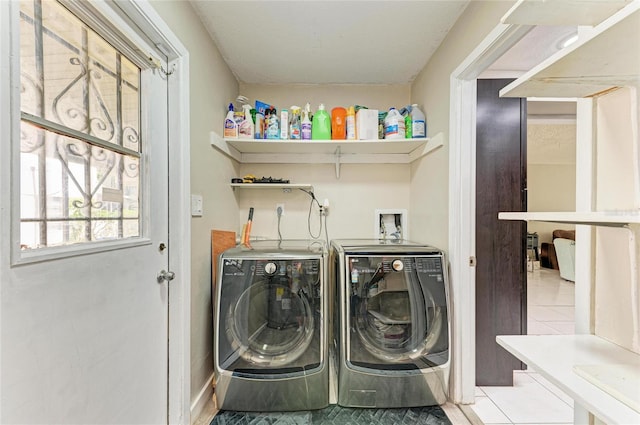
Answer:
(321, 125)
(273, 124)
(230, 125)
(338, 123)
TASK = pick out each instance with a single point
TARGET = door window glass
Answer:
(79, 134)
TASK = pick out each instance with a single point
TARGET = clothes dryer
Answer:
(391, 323)
(270, 332)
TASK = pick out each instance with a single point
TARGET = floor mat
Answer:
(336, 415)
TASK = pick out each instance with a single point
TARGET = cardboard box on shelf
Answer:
(367, 124)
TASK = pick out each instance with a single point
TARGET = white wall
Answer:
(617, 250)
(212, 87)
(428, 217)
(382, 96)
(353, 197)
(551, 173)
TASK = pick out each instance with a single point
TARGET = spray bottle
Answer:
(246, 129)
(305, 125)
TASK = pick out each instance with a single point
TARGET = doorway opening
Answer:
(498, 45)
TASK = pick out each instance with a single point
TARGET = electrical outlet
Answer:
(281, 206)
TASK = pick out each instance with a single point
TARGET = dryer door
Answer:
(397, 312)
(269, 316)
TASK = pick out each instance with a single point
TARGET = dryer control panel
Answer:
(268, 268)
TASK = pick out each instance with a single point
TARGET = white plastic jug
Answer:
(394, 125)
(418, 122)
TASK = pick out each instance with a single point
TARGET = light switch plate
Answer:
(196, 205)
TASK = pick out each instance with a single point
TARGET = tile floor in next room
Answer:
(533, 399)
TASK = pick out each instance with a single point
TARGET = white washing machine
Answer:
(270, 327)
(391, 323)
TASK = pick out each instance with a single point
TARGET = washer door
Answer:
(398, 312)
(268, 313)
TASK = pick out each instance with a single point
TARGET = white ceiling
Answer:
(355, 42)
(536, 46)
(328, 42)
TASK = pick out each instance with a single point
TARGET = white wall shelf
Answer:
(556, 357)
(606, 218)
(285, 187)
(602, 377)
(601, 61)
(563, 12)
(251, 151)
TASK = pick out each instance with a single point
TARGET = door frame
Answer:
(462, 207)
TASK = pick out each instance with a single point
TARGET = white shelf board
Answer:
(555, 356)
(604, 218)
(326, 146)
(622, 381)
(562, 12)
(286, 187)
(604, 59)
(326, 151)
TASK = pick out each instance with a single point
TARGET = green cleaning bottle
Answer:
(321, 125)
(407, 126)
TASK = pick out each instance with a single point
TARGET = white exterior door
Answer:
(84, 330)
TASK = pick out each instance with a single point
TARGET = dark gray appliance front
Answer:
(270, 348)
(393, 335)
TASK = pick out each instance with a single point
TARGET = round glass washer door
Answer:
(270, 325)
(398, 326)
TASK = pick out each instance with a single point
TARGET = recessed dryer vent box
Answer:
(390, 224)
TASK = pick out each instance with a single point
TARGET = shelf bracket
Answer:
(338, 154)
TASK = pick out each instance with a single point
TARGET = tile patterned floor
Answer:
(336, 415)
(454, 415)
(533, 399)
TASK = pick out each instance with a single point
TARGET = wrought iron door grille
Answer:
(79, 134)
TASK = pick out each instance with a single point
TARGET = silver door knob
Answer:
(165, 275)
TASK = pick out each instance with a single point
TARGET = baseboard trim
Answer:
(205, 394)
(456, 415)
(471, 415)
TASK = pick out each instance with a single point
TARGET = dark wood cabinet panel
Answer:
(500, 245)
